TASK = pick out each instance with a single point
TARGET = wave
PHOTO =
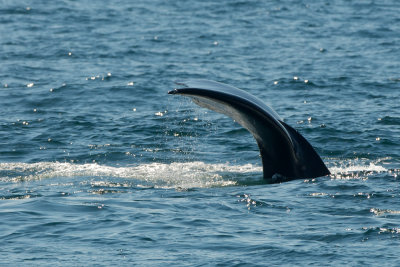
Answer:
(158, 175)
(194, 174)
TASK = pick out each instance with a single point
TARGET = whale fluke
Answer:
(286, 154)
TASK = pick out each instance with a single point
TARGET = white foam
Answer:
(380, 212)
(159, 175)
(357, 168)
(173, 175)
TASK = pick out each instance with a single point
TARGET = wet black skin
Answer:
(286, 154)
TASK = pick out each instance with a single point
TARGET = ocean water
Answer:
(99, 166)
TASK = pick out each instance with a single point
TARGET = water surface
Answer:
(99, 166)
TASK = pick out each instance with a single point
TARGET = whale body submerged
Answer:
(285, 153)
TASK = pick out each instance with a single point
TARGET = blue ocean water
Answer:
(99, 166)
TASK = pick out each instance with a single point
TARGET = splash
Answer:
(178, 175)
(357, 168)
(158, 175)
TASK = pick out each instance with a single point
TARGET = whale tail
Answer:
(286, 154)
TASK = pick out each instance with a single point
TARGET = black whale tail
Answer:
(286, 154)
